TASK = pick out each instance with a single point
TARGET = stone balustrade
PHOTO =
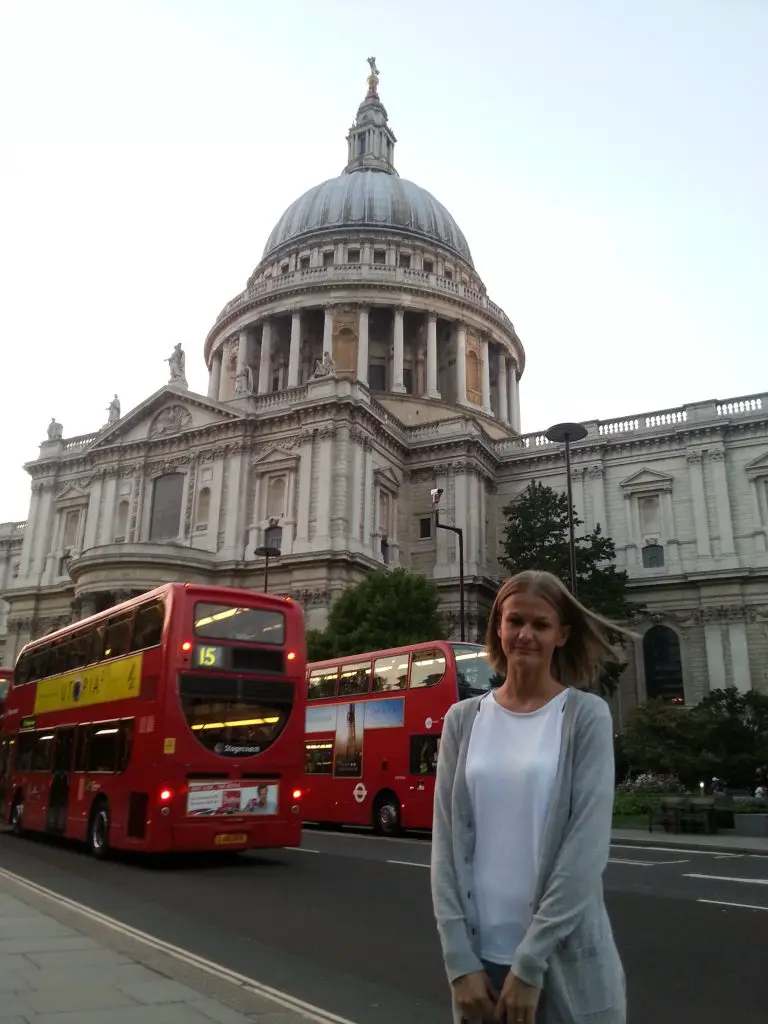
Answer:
(361, 273)
(658, 423)
(76, 443)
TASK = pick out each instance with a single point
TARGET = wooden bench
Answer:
(684, 814)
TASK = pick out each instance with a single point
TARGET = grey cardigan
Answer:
(569, 949)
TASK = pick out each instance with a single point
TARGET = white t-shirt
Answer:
(511, 768)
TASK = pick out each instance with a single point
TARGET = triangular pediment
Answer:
(72, 492)
(387, 475)
(646, 479)
(277, 452)
(169, 411)
(758, 466)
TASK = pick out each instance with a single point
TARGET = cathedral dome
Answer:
(369, 198)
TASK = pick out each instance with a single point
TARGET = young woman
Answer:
(522, 821)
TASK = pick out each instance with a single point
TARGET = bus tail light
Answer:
(296, 794)
(186, 646)
(165, 795)
(291, 656)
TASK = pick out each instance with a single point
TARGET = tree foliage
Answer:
(389, 608)
(726, 735)
(536, 536)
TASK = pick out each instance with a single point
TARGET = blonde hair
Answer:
(579, 661)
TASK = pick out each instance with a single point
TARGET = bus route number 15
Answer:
(210, 657)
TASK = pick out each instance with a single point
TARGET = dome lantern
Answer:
(371, 142)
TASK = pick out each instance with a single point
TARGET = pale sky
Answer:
(605, 159)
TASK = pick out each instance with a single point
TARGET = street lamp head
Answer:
(566, 432)
(437, 493)
(265, 551)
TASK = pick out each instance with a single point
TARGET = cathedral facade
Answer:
(363, 366)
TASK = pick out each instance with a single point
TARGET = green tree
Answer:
(536, 536)
(389, 608)
(663, 739)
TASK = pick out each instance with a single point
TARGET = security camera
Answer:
(437, 493)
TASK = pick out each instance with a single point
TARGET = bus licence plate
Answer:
(230, 839)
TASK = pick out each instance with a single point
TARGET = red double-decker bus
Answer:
(5, 682)
(172, 722)
(373, 725)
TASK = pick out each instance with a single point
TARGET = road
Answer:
(345, 923)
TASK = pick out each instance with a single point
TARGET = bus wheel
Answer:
(17, 815)
(386, 815)
(98, 830)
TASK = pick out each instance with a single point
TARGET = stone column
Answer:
(241, 373)
(598, 498)
(461, 364)
(432, 388)
(514, 396)
(740, 673)
(328, 331)
(301, 543)
(369, 540)
(397, 337)
(713, 642)
(362, 345)
(214, 376)
(759, 532)
(486, 370)
(631, 548)
(26, 564)
(92, 515)
(722, 501)
(265, 364)
(325, 488)
(343, 460)
(503, 386)
(699, 503)
(355, 500)
(295, 351)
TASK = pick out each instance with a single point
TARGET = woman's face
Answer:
(530, 630)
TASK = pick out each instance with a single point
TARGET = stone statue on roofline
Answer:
(55, 430)
(177, 362)
(113, 409)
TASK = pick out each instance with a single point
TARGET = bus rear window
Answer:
(249, 625)
(473, 673)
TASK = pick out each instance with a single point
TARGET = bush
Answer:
(634, 805)
(652, 783)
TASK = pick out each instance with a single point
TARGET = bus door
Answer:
(5, 769)
(58, 802)
(424, 748)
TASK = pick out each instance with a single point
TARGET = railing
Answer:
(74, 443)
(360, 272)
(658, 422)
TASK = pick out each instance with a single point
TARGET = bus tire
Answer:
(386, 815)
(98, 829)
(17, 815)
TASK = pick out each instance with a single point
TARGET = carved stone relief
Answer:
(172, 420)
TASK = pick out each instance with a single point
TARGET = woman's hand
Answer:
(475, 995)
(517, 1002)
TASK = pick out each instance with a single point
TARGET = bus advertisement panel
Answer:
(172, 722)
(373, 725)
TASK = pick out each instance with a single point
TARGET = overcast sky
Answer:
(605, 159)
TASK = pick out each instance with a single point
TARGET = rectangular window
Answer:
(71, 526)
(318, 757)
(377, 377)
(322, 683)
(424, 751)
(405, 259)
(650, 514)
(390, 673)
(380, 256)
(448, 274)
(104, 748)
(408, 379)
(117, 635)
(427, 668)
(165, 518)
(148, 631)
(42, 752)
(250, 625)
(353, 255)
(328, 259)
(304, 263)
(355, 679)
(429, 267)
(284, 268)
(425, 528)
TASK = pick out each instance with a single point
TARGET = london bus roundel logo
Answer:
(360, 792)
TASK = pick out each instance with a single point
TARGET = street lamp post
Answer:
(437, 494)
(269, 549)
(566, 433)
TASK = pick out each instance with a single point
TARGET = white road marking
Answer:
(741, 906)
(285, 999)
(725, 878)
(408, 863)
(301, 849)
(669, 849)
(632, 863)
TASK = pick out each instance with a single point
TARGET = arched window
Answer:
(203, 509)
(653, 556)
(121, 525)
(663, 666)
(167, 495)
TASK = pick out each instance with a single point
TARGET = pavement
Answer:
(341, 929)
(60, 966)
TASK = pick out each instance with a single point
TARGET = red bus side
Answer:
(160, 759)
(370, 757)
